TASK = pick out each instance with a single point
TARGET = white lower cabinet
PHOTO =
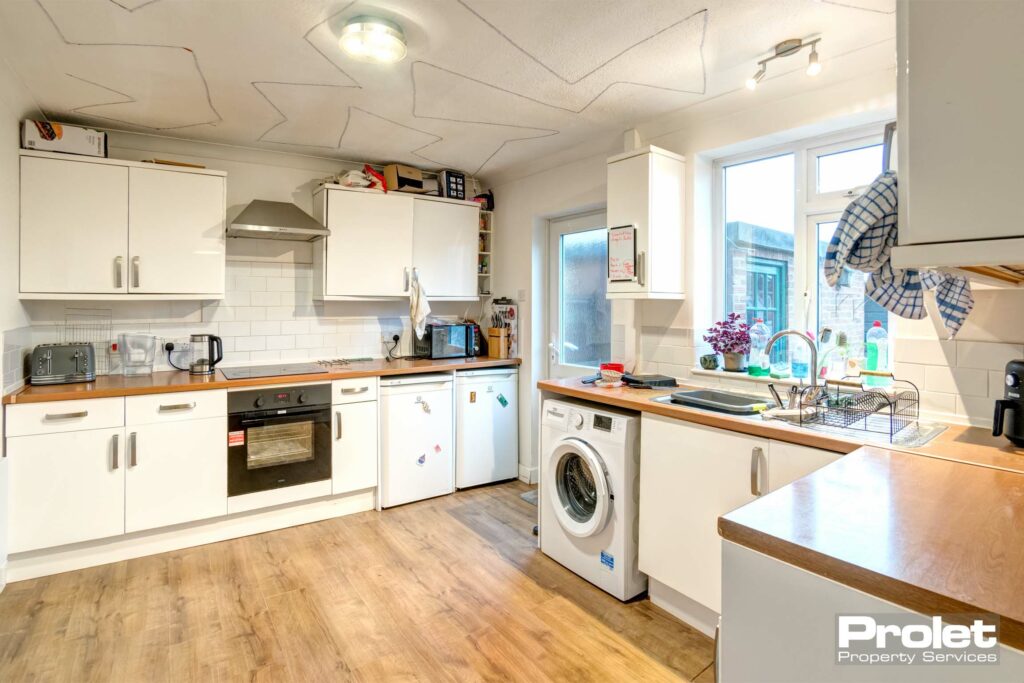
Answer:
(690, 475)
(65, 487)
(354, 456)
(175, 472)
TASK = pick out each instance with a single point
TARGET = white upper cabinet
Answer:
(108, 229)
(369, 252)
(175, 232)
(646, 191)
(377, 239)
(960, 143)
(444, 248)
(74, 227)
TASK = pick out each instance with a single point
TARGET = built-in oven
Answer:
(277, 437)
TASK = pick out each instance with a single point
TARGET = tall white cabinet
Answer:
(379, 240)
(111, 229)
(646, 190)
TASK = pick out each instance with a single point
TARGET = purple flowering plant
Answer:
(730, 335)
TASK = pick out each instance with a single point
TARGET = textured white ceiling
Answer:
(482, 77)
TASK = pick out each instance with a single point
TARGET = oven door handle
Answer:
(270, 416)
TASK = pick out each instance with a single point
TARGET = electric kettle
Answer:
(1013, 424)
(205, 351)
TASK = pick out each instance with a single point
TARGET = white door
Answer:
(580, 318)
(788, 462)
(68, 487)
(175, 472)
(689, 476)
(417, 454)
(369, 252)
(488, 430)
(176, 232)
(354, 456)
(74, 227)
(445, 247)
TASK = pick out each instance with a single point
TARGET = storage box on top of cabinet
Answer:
(646, 193)
(105, 229)
(378, 241)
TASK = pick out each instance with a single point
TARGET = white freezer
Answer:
(487, 426)
(417, 445)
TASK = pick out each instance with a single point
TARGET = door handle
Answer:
(337, 420)
(133, 450)
(177, 406)
(756, 454)
(641, 267)
(118, 272)
(360, 390)
(65, 416)
(135, 271)
(405, 286)
(117, 448)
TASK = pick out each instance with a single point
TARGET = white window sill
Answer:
(744, 377)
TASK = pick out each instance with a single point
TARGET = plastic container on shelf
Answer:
(876, 353)
(759, 365)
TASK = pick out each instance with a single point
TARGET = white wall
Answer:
(522, 209)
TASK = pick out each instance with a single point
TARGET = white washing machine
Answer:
(589, 494)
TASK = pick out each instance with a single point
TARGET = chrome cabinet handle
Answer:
(177, 406)
(133, 450)
(641, 266)
(135, 271)
(406, 280)
(360, 390)
(337, 420)
(118, 272)
(756, 454)
(117, 448)
(65, 416)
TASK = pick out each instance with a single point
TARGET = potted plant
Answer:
(731, 338)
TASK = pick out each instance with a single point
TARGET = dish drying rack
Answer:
(849, 404)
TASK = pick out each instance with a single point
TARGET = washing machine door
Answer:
(578, 486)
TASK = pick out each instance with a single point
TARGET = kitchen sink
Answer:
(719, 401)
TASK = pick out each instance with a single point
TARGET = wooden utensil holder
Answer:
(497, 342)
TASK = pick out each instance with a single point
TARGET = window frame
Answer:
(808, 204)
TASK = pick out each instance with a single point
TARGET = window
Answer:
(581, 314)
(777, 211)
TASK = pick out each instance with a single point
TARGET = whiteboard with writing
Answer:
(622, 253)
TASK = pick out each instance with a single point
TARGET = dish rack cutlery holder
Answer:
(848, 404)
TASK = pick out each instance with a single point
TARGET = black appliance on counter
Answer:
(278, 437)
(454, 340)
(1011, 425)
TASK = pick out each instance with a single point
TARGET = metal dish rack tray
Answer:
(847, 404)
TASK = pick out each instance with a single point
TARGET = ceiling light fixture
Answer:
(785, 49)
(369, 39)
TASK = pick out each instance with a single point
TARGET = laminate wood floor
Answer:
(451, 589)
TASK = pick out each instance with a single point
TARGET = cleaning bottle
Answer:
(801, 355)
(759, 336)
(837, 358)
(876, 353)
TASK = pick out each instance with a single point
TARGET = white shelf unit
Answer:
(485, 257)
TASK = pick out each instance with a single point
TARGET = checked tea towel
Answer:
(863, 240)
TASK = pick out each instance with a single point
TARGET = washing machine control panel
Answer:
(576, 420)
(603, 422)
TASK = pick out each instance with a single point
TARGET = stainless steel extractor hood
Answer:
(276, 221)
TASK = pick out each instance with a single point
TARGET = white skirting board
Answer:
(528, 475)
(92, 553)
(682, 608)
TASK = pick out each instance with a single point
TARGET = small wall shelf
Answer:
(485, 254)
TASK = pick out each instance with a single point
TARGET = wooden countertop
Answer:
(939, 534)
(167, 382)
(932, 535)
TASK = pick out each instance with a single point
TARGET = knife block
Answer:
(497, 342)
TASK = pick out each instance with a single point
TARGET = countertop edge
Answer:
(891, 589)
(84, 391)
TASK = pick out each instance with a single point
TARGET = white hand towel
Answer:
(419, 307)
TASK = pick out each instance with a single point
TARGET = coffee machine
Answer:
(206, 350)
(1011, 425)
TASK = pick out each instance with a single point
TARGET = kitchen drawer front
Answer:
(183, 405)
(354, 390)
(54, 417)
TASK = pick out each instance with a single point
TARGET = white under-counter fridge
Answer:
(487, 426)
(417, 453)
